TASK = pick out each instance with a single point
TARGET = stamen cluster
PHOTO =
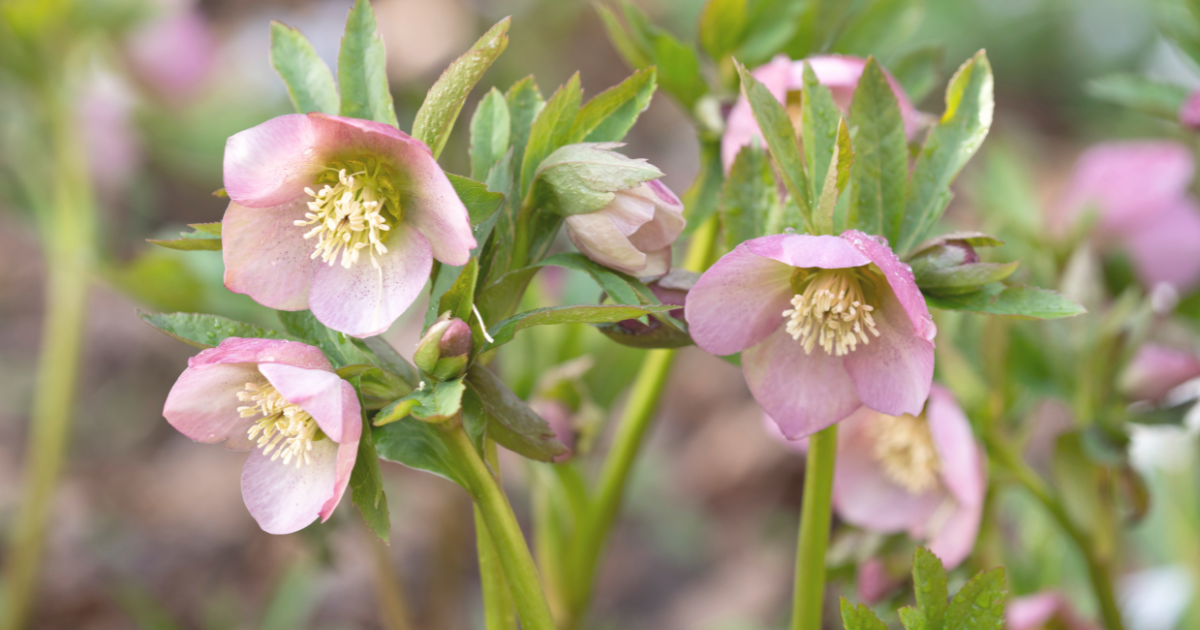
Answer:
(348, 217)
(903, 446)
(284, 427)
(831, 313)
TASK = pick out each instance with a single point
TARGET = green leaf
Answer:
(387, 358)
(722, 26)
(781, 141)
(480, 202)
(1179, 20)
(771, 24)
(680, 70)
(819, 117)
(459, 299)
(820, 23)
(510, 421)
(748, 197)
(366, 486)
(880, 171)
(879, 27)
(979, 605)
(490, 132)
(1140, 94)
(418, 445)
(859, 618)
(609, 115)
(435, 119)
(309, 81)
(929, 584)
(337, 346)
(433, 403)
(362, 71)
(206, 331)
(1019, 302)
(919, 71)
(622, 288)
(913, 619)
(294, 600)
(703, 198)
(551, 128)
(835, 181)
(964, 125)
(630, 49)
(213, 229)
(504, 331)
(204, 237)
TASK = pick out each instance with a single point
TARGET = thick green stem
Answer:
(498, 609)
(815, 515)
(507, 539)
(66, 239)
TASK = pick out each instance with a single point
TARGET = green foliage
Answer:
(643, 45)
(418, 445)
(435, 119)
(206, 331)
(366, 486)
(879, 27)
(504, 331)
(459, 299)
(309, 81)
(1179, 20)
(781, 141)
(1139, 94)
(293, 601)
(480, 202)
(979, 605)
(362, 71)
(722, 26)
(582, 178)
(828, 163)
(621, 288)
(609, 115)
(748, 197)
(204, 237)
(510, 421)
(929, 583)
(1010, 301)
(490, 133)
(337, 346)
(551, 128)
(433, 403)
(880, 171)
(859, 617)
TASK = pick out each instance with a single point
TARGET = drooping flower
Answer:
(1140, 190)
(922, 474)
(785, 78)
(634, 232)
(825, 325)
(1155, 370)
(1041, 609)
(283, 401)
(338, 215)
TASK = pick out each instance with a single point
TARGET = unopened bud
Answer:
(445, 349)
(949, 264)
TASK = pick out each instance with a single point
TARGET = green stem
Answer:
(499, 611)
(815, 516)
(1099, 569)
(507, 540)
(66, 239)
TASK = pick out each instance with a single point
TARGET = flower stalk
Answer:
(815, 515)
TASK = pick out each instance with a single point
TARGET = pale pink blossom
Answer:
(1156, 370)
(634, 232)
(839, 73)
(174, 53)
(283, 401)
(825, 324)
(1039, 610)
(338, 215)
(1189, 112)
(922, 474)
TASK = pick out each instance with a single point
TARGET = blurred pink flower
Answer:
(1140, 190)
(174, 53)
(338, 215)
(781, 75)
(1189, 112)
(1156, 370)
(105, 118)
(282, 399)
(825, 324)
(924, 474)
(634, 232)
(873, 581)
(559, 416)
(1032, 612)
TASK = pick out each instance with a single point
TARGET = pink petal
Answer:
(667, 222)
(658, 263)
(364, 300)
(330, 400)
(602, 237)
(954, 539)
(892, 374)
(1189, 112)
(873, 581)
(266, 255)
(863, 495)
(346, 457)
(1156, 370)
(204, 400)
(284, 498)
(1128, 182)
(1164, 248)
(1032, 611)
(740, 127)
(738, 302)
(270, 164)
(805, 251)
(803, 393)
(899, 277)
(242, 350)
(964, 470)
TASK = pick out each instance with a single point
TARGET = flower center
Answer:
(829, 311)
(284, 428)
(904, 448)
(349, 214)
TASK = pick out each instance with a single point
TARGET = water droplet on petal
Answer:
(789, 230)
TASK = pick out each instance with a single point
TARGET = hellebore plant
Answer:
(282, 401)
(634, 232)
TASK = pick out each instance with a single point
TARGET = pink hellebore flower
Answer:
(634, 232)
(1032, 612)
(784, 77)
(825, 325)
(1189, 112)
(1141, 192)
(923, 474)
(282, 399)
(338, 215)
(1155, 370)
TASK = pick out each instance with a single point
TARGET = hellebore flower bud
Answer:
(445, 348)
(949, 264)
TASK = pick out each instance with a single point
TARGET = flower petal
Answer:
(284, 498)
(243, 350)
(330, 400)
(806, 251)
(1130, 182)
(1164, 249)
(1156, 370)
(893, 373)
(803, 393)
(738, 302)
(270, 164)
(346, 458)
(365, 299)
(899, 277)
(740, 127)
(964, 471)
(204, 400)
(600, 236)
(266, 255)
(953, 539)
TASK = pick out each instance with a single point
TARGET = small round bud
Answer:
(445, 348)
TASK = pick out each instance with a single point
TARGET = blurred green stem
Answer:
(498, 608)
(815, 515)
(508, 542)
(393, 605)
(1099, 569)
(66, 230)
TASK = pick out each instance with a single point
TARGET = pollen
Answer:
(284, 428)
(831, 313)
(904, 448)
(347, 216)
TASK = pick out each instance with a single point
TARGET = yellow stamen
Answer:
(348, 216)
(284, 428)
(903, 446)
(831, 313)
